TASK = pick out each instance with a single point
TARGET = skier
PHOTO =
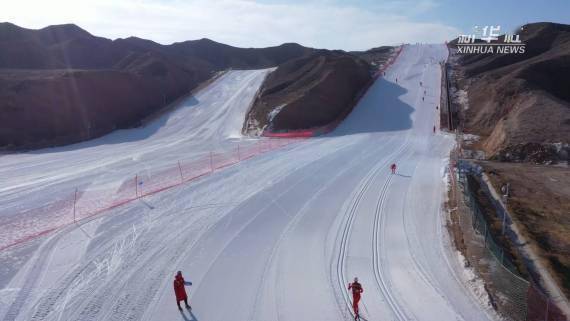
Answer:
(180, 291)
(393, 168)
(356, 291)
(434, 129)
(422, 98)
(421, 84)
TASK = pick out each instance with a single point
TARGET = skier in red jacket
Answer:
(180, 291)
(393, 168)
(356, 291)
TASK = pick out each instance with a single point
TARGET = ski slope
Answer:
(277, 237)
(210, 120)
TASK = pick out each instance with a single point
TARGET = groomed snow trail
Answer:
(277, 237)
(210, 120)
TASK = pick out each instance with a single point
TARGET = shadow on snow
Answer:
(121, 136)
(380, 110)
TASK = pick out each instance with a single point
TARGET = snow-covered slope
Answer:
(209, 121)
(277, 237)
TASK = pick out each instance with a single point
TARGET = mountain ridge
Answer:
(61, 84)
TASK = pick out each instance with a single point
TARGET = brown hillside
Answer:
(60, 84)
(309, 92)
(516, 100)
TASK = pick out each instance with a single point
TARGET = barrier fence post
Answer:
(180, 169)
(74, 205)
(137, 186)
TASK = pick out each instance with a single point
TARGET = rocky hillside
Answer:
(375, 56)
(314, 90)
(520, 104)
(60, 84)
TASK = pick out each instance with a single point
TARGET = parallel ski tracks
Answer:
(345, 231)
(377, 254)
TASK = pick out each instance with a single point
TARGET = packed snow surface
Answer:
(275, 237)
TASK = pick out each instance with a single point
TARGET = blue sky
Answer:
(464, 14)
(507, 13)
(332, 24)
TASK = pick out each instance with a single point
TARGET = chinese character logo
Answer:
(489, 42)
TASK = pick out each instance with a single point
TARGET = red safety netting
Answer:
(88, 201)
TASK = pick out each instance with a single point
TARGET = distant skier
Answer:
(434, 129)
(396, 80)
(180, 291)
(356, 291)
(393, 168)
(421, 84)
(422, 98)
(436, 107)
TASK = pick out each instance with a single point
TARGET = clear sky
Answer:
(332, 24)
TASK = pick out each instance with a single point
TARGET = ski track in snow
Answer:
(275, 237)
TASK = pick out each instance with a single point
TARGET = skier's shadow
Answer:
(185, 318)
(402, 175)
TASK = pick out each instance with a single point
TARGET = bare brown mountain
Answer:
(55, 47)
(520, 103)
(60, 84)
(221, 56)
(313, 91)
(520, 106)
(374, 56)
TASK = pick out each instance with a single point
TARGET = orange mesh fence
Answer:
(88, 201)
